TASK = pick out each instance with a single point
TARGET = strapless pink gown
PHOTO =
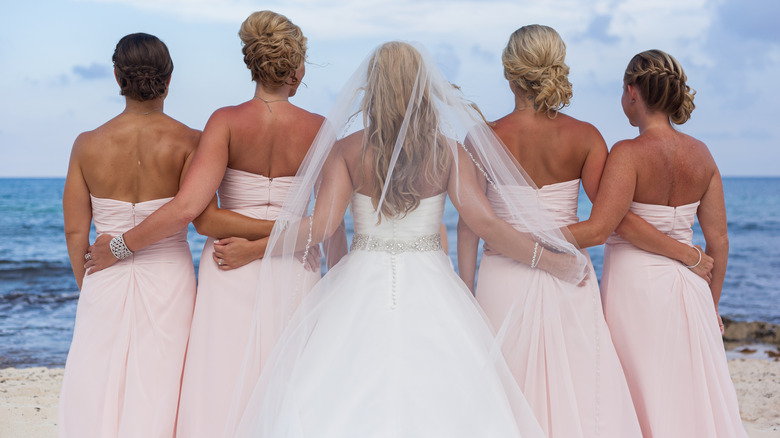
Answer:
(557, 342)
(224, 313)
(125, 363)
(665, 330)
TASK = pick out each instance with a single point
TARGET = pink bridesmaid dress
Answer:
(224, 311)
(124, 368)
(555, 338)
(666, 333)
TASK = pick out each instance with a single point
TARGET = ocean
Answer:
(38, 294)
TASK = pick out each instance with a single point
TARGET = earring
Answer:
(633, 100)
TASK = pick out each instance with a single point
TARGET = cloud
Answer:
(756, 19)
(448, 61)
(598, 30)
(92, 71)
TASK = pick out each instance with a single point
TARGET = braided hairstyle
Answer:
(143, 66)
(534, 61)
(273, 49)
(661, 82)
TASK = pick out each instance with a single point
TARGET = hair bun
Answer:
(143, 66)
(273, 49)
(534, 61)
(661, 82)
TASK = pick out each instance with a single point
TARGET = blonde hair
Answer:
(273, 49)
(661, 82)
(534, 61)
(395, 69)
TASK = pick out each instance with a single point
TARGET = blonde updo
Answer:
(273, 49)
(661, 82)
(534, 61)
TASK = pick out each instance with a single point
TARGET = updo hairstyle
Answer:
(534, 61)
(661, 82)
(273, 49)
(143, 66)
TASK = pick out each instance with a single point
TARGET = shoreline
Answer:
(28, 405)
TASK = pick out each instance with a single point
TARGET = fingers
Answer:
(220, 261)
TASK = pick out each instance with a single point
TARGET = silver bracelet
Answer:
(533, 259)
(538, 259)
(118, 247)
(697, 263)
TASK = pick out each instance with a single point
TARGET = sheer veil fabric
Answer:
(399, 135)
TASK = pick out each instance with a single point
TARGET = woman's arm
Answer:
(632, 227)
(77, 212)
(615, 193)
(647, 237)
(221, 223)
(196, 191)
(330, 205)
(712, 218)
(335, 247)
(469, 199)
(468, 247)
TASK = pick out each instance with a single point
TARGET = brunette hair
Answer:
(661, 82)
(143, 66)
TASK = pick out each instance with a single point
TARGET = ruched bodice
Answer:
(116, 217)
(422, 221)
(675, 222)
(559, 200)
(253, 195)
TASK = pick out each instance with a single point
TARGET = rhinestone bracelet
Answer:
(118, 247)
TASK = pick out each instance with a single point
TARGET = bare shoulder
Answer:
(310, 122)
(625, 149)
(582, 132)
(92, 141)
(697, 151)
(350, 146)
(183, 135)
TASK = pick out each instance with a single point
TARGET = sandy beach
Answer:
(28, 402)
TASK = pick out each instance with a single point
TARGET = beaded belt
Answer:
(430, 242)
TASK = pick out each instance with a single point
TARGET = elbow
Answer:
(718, 244)
(201, 224)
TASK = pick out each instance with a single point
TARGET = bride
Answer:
(390, 342)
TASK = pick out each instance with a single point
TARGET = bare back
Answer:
(672, 168)
(554, 150)
(135, 157)
(271, 143)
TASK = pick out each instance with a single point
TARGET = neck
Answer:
(268, 94)
(523, 101)
(653, 120)
(143, 107)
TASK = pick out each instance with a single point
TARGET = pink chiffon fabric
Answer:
(666, 333)
(556, 341)
(224, 312)
(124, 368)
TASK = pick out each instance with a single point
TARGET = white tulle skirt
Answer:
(388, 346)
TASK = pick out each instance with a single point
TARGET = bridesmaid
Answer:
(124, 367)
(556, 340)
(265, 140)
(664, 319)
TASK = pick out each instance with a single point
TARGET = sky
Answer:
(56, 77)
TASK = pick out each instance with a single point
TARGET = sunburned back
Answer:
(136, 157)
(271, 143)
(550, 150)
(672, 168)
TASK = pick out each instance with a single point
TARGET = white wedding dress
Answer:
(390, 343)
